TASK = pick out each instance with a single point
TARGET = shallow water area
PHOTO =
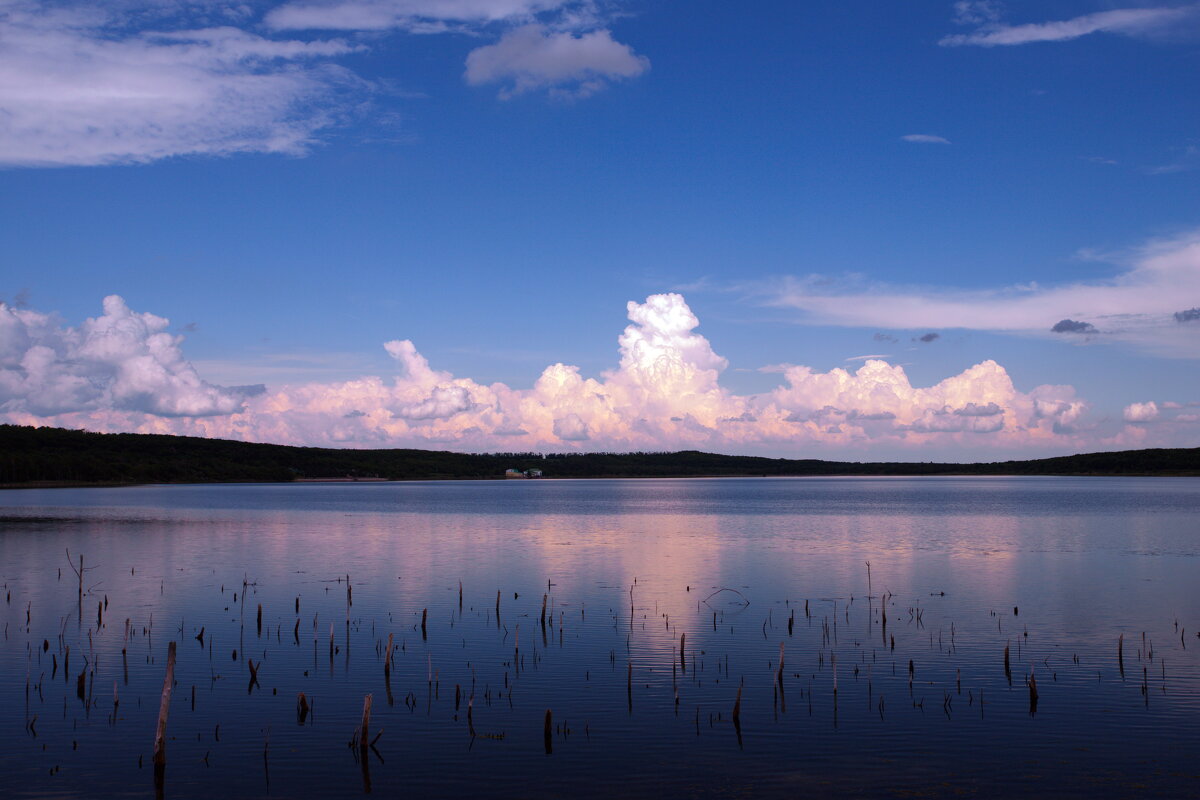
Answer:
(663, 599)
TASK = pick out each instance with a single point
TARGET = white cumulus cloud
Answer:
(120, 361)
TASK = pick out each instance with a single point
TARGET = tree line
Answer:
(60, 456)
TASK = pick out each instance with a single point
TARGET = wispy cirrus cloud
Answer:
(977, 12)
(1140, 305)
(77, 87)
(1126, 21)
(133, 82)
(1187, 160)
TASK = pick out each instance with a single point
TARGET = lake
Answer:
(665, 602)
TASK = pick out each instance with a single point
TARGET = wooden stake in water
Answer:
(682, 653)
(302, 708)
(364, 741)
(546, 730)
(164, 708)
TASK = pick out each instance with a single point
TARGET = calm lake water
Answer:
(1059, 570)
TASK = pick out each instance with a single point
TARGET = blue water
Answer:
(1056, 569)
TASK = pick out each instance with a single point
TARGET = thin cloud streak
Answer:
(1137, 306)
(1128, 21)
(925, 138)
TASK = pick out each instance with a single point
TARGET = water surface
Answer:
(1056, 569)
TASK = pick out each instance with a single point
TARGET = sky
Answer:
(963, 231)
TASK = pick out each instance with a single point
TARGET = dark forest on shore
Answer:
(56, 456)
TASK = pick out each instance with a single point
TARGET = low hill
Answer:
(55, 456)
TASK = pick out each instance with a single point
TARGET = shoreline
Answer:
(501, 479)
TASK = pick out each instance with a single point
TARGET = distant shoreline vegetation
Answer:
(61, 457)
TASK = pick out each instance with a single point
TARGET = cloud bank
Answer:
(122, 371)
(1141, 305)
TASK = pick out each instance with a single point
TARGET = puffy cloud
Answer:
(122, 361)
(534, 57)
(78, 88)
(442, 402)
(1141, 412)
(123, 371)
(925, 138)
(1137, 306)
(1127, 21)
(880, 402)
(1173, 419)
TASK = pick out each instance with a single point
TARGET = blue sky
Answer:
(294, 184)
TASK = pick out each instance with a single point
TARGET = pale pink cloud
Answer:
(122, 372)
(1141, 412)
